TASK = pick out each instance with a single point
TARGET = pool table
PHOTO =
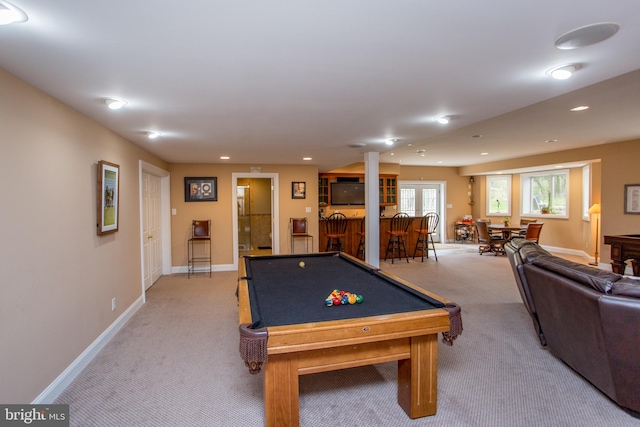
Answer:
(285, 324)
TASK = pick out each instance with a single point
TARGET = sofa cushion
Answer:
(627, 286)
(529, 252)
(589, 276)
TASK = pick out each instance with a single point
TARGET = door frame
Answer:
(165, 218)
(442, 186)
(275, 210)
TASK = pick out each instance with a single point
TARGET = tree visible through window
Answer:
(545, 193)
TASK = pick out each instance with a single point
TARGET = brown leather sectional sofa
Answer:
(587, 317)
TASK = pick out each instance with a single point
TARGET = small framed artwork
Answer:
(200, 189)
(108, 192)
(298, 190)
(632, 198)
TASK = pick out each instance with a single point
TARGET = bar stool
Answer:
(361, 243)
(336, 231)
(299, 231)
(399, 229)
(200, 236)
(428, 227)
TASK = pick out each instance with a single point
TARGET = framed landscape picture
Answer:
(108, 192)
(200, 189)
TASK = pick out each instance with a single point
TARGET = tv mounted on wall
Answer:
(347, 193)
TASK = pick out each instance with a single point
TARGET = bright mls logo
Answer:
(34, 415)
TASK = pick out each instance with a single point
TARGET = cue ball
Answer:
(301, 264)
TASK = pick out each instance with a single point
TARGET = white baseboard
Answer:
(64, 379)
(214, 267)
(575, 252)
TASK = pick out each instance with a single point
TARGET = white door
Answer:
(419, 199)
(151, 229)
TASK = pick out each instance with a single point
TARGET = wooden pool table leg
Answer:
(281, 391)
(418, 377)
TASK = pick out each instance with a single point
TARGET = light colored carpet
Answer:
(176, 363)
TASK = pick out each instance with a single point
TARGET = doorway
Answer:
(419, 198)
(255, 214)
(155, 223)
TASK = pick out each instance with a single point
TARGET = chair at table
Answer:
(487, 242)
(299, 230)
(428, 227)
(533, 231)
(397, 233)
(336, 231)
(524, 223)
(362, 240)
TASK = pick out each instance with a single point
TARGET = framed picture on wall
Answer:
(632, 198)
(201, 189)
(298, 190)
(108, 192)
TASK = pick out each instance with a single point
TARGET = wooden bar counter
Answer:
(353, 226)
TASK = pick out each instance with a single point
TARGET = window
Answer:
(499, 195)
(546, 193)
(416, 201)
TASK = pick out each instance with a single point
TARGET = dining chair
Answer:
(428, 227)
(533, 231)
(336, 226)
(487, 242)
(397, 232)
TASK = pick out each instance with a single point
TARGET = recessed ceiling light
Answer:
(483, 154)
(153, 135)
(420, 151)
(477, 136)
(563, 72)
(306, 158)
(10, 14)
(357, 144)
(587, 35)
(551, 140)
(224, 157)
(391, 141)
(443, 120)
(439, 162)
(392, 154)
(580, 108)
(114, 103)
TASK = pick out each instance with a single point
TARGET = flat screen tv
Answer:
(347, 193)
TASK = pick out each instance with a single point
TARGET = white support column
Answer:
(372, 209)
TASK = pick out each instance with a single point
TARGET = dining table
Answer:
(506, 230)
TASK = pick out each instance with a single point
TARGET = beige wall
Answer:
(618, 165)
(57, 277)
(221, 212)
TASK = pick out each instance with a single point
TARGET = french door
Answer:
(418, 199)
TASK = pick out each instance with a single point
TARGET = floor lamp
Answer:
(595, 209)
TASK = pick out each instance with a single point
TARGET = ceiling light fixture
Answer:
(391, 141)
(587, 35)
(443, 120)
(114, 103)
(563, 72)
(153, 135)
(10, 14)
(224, 157)
(484, 154)
(580, 108)
(307, 158)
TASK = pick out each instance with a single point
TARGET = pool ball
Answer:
(359, 299)
(301, 264)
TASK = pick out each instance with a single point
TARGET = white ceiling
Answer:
(269, 82)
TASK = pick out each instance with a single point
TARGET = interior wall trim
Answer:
(64, 379)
